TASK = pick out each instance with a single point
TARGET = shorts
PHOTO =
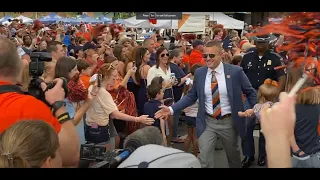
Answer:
(112, 131)
(190, 121)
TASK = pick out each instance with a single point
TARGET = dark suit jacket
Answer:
(236, 81)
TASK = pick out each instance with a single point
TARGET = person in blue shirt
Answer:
(175, 57)
(149, 44)
(155, 92)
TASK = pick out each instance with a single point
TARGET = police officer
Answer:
(258, 64)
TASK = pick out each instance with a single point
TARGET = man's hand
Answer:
(163, 113)
(56, 93)
(280, 118)
(248, 113)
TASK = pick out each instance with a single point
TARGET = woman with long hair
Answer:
(104, 109)
(162, 68)
(305, 143)
(124, 99)
(142, 59)
(133, 84)
(78, 100)
(121, 53)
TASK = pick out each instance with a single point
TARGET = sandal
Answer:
(177, 140)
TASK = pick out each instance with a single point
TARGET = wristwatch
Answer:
(57, 105)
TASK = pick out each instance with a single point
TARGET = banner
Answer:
(192, 23)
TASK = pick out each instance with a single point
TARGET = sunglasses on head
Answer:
(205, 56)
(162, 55)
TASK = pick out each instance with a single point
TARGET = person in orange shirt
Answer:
(92, 56)
(83, 33)
(196, 55)
(85, 72)
(16, 106)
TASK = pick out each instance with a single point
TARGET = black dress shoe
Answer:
(247, 162)
(262, 161)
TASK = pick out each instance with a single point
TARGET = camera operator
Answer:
(16, 106)
(30, 144)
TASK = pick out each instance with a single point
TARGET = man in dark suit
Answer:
(219, 88)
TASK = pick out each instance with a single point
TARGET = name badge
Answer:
(269, 62)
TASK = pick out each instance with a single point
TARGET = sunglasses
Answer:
(162, 55)
(205, 56)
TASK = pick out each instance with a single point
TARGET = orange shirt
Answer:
(186, 59)
(85, 80)
(196, 57)
(86, 35)
(100, 62)
(15, 107)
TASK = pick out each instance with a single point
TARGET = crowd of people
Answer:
(106, 86)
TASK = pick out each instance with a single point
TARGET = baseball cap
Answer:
(77, 48)
(156, 156)
(197, 43)
(90, 45)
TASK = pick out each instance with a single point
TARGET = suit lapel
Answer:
(227, 74)
(203, 80)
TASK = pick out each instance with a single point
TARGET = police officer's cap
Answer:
(263, 38)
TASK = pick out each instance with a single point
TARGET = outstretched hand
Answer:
(163, 113)
(274, 121)
(248, 113)
(145, 120)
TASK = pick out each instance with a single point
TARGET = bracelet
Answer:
(64, 118)
(136, 119)
(92, 94)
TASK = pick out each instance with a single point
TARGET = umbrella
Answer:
(73, 20)
(25, 19)
(104, 19)
(5, 18)
(84, 16)
(119, 21)
(51, 18)
(90, 20)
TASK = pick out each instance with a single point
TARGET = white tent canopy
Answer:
(227, 21)
(24, 19)
(134, 23)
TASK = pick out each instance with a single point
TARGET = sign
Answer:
(192, 23)
(158, 15)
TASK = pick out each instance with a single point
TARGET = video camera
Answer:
(97, 155)
(36, 68)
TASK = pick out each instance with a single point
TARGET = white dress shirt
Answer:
(157, 72)
(224, 99)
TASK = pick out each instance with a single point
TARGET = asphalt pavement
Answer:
(220, 156)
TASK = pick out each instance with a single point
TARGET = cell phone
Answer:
(168, 101)
(99, 80)
(134, 63)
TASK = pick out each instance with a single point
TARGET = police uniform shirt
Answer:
(258, 69)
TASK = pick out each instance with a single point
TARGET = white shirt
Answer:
(224, 99)
(157, 72)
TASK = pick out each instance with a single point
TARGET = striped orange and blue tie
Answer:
(215, 97)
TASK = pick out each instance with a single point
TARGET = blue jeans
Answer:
(176, 117)
(247, 142)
